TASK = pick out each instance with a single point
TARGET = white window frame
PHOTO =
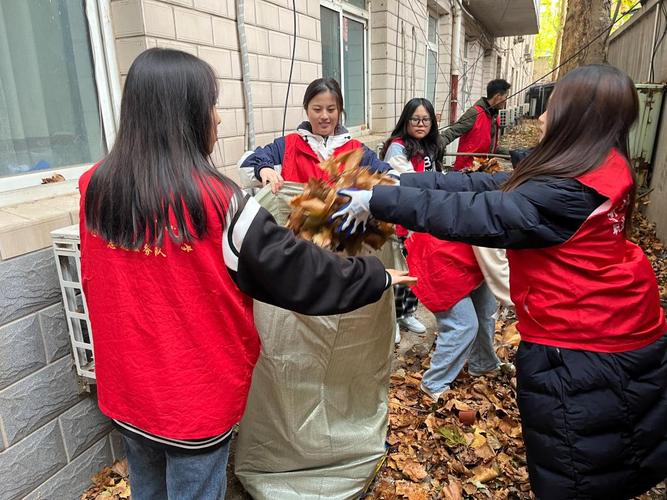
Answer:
(362, 16)
(432, 47)
(107, 81)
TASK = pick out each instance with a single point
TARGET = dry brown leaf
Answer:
(414, 471)
(485, 474)
(452, 490)
(412, 491)
(53, 178)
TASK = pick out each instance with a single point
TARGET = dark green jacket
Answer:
(466, 122)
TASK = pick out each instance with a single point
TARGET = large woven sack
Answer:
(316, 419)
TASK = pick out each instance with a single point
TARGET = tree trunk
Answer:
(562, 9)
(586, 19)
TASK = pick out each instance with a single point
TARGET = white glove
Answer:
(357, 210)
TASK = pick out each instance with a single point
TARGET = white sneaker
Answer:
(413, 324)
(397, 335)
(435, 396)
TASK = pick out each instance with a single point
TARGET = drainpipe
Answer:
(650, 76)
(245, 73)
(456, 61)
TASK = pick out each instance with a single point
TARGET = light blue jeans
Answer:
(156, 474)
(465, 333)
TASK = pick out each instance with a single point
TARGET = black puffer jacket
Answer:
(595, 424)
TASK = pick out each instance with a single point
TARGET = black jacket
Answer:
(469, 207)
(267, 262)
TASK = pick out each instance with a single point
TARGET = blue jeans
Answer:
(157, 474)
(465, 333)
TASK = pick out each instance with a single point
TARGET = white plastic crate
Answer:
(67, 249)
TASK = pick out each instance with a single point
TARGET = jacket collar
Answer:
(488, 109)
(323, 146)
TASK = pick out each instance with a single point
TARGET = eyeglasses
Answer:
(417, 121)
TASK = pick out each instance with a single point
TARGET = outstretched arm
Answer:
(270, 264)
(455, 181)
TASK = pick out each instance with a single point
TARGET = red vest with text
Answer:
(597, 291)
(301, 163)
(477, 139)
(174, 338)
(446, 271)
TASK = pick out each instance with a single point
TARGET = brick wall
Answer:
(207, 28)
(53, 439)
(398, 37)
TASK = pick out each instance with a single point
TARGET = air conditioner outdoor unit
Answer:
(503, 117)
(67, 249)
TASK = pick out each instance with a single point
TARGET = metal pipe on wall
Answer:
(245, 74)
(456, 62)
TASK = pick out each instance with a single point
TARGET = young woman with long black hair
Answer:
(172, 253)
(415, 145)
(592, 363)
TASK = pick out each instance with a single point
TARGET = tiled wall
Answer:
(53, 438)
(207, 28)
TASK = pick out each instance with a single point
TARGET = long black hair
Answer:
(155, 178)
(431, 145)
(589, 113)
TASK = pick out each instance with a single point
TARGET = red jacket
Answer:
(446, 271)
(477, 139)
(301, 163)
(418, 161)
(597, 290)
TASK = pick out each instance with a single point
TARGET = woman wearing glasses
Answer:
(450, 282)
(414, 146)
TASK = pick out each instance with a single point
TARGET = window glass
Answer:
(49, 110)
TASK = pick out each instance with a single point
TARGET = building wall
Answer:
(207, 29)
(398, 58)
(630, 49)
(53, 438)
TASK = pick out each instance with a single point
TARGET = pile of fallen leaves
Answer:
(526, 134)
(468, 444)
(643, 233)
(486, 165)
(110, 483)
(312, 209)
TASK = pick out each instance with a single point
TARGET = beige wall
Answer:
(398, 28)
(207, 28)
(397, 58)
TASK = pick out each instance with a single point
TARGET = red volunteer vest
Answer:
(175, 340)
(596, 291)
(477, 139)
(446, 271)
(301, 163)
